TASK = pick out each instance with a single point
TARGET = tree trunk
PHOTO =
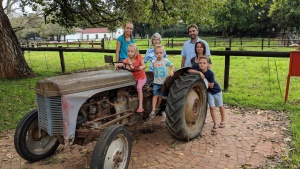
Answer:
(12, 61)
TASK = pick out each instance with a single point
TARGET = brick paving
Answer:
(249, 140)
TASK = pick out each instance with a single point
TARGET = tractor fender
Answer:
(170, 80)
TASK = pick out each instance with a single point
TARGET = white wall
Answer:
(73, 37)
(117, 33)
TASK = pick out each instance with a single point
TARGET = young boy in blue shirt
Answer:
(214, 93)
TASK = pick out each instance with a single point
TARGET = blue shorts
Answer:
(156, 89)
(215, 100)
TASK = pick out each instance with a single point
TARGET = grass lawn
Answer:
(254, 83)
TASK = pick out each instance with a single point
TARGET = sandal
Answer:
(222, 125)
(214, 129)
(152, 114)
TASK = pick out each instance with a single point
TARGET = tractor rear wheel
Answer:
(186, 107)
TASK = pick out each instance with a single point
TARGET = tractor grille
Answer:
(50, 115)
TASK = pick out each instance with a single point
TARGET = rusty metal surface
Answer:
(84, 81)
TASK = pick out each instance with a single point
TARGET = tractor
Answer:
(79, 108)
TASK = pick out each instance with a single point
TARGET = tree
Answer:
(54, 30)
(233, 14)
(286, 14)
(12, 61)
(108, 13)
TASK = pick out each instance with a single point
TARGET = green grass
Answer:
(254, 83)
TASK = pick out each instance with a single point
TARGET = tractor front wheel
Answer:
(29, 143)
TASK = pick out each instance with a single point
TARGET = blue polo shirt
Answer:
(124, 46)
(188, 51)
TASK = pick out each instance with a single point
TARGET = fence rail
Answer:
(227, 53)
(264, 42)
(213, 42)
(80, 44)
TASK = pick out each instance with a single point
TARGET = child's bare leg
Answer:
(154, 101)
(213, 116)
(159, 99)
(222, 111)
(140, 97)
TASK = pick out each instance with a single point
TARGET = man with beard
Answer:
(188, 49)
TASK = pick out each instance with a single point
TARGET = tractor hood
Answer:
(84, 81)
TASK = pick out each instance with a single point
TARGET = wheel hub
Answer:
(118, 158)
(36, 135)
(192, 108)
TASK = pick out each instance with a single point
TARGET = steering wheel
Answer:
(126, 67)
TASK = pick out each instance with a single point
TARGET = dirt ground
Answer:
(251, 139)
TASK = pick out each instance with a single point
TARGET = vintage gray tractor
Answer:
(80, 108)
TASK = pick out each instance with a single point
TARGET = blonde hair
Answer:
(128, 22)
(159, 47)
(204, 57)
(124, 27)
(136, 53)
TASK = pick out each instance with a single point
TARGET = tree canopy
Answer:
(114, 12)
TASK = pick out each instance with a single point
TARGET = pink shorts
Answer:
(140, 84)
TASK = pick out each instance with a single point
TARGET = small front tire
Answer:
(27, 142)
(113, 149)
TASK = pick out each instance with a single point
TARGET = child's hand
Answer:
(201, 75)
(171, 73)
(141, 68)
(117, 65)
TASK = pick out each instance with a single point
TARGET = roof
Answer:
(78, 30)
(95, 30)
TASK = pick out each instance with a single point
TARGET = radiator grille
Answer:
(50, 115)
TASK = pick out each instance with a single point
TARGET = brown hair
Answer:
(193, 26)
(203, 45)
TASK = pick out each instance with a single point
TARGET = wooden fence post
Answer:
(62, 60)
(226, 70)
(102, 43)
(92, 44)
(269, 42)
(262, 44)
(215, 42)
(241, 42)
(230, 43)
(172, 43)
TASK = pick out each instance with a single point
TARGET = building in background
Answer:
(92, 34)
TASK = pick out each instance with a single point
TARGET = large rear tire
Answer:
(27, 142)
(113, 149)
(186, 107)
